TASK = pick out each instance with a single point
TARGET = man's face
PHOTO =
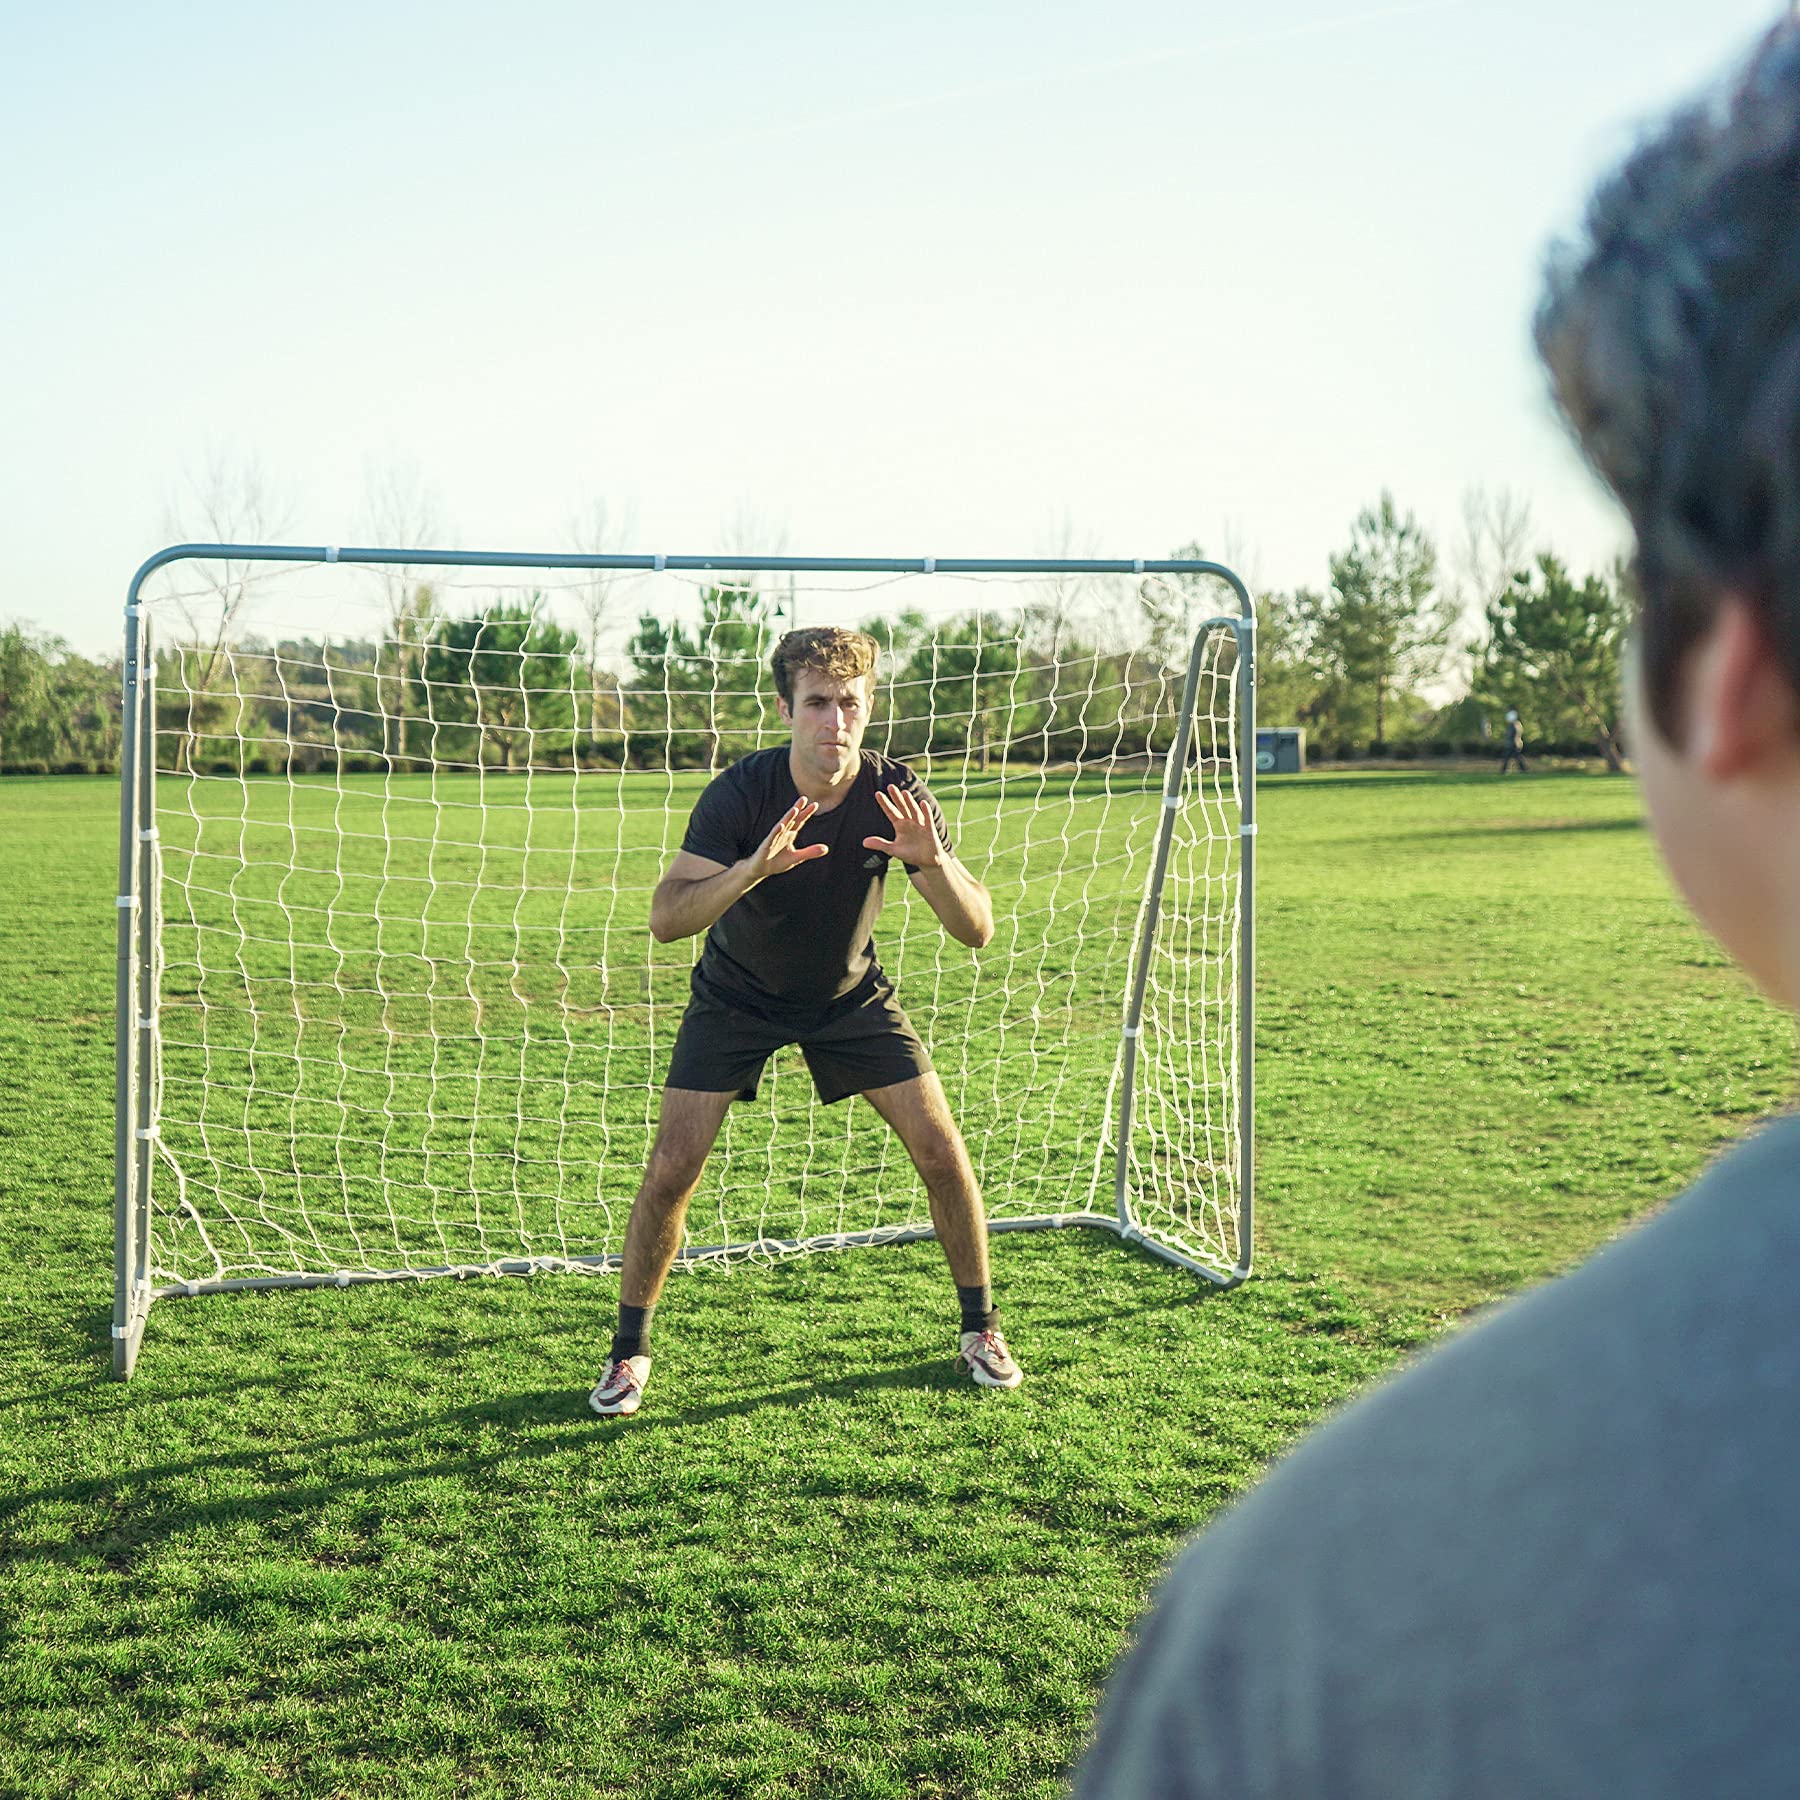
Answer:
(829, 715)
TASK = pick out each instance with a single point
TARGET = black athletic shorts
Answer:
(859, 1042)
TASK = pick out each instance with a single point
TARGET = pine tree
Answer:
(1554, 651)
(1384, 628)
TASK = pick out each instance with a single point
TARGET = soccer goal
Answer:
(388, 1004)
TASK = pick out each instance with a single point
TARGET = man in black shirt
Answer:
(782, 867)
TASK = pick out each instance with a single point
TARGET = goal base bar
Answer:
(688, 1259)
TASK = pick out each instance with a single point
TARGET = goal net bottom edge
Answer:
(700, 1256)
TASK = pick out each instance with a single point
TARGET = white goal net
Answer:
(392, 1004)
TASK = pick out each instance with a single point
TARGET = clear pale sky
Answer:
(920, 280)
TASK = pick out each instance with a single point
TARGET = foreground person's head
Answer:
(1672, 335)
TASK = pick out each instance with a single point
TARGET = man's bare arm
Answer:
(693, 895)
(697, 892)
(962, 904)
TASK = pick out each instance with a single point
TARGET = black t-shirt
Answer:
(803, 937)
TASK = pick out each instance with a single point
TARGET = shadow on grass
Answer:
(1438, 834)
(153, 1518)
(1422, 776)
(102, 1384)
(134, 1509)
(1106, 1317)
(85, 1385)
(81, 1341)
(83, 1345)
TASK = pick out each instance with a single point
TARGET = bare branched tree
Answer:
(228, 501)
(743, 615)
(1243, 557)
(1060, 600)
(597, 531)
(749, 533)
(1494, 547)
(403, 512)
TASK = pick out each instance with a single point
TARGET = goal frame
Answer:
(135, 1063)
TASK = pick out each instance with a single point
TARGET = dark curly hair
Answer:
(1672, 337)
(830, 649)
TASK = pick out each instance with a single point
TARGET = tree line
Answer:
(508, 683)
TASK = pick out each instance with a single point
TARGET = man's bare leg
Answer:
(919, 1112)
(689, 1123)
(920, 1115)
(685, 1131)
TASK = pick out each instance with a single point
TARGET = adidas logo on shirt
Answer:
(873, 862)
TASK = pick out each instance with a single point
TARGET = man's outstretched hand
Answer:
(915, 838)
(777, 853)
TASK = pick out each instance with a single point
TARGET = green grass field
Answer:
(372, 1542)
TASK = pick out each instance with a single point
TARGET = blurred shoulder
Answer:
(1451, 1585)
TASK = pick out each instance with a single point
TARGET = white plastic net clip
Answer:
(147, 1022)
(1246, 831)
(1171, 802)
(1137, 565)
(147, 1134)
(343, 1279)
(659, 563)
(149, 835)
(126, 900)
(331, 554)
(931, 565)
(1132, 1031)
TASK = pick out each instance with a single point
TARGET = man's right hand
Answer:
(777, 853)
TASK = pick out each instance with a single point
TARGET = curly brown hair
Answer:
(1672, 337)
(830, 649)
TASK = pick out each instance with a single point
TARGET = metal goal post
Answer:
(137, 1071)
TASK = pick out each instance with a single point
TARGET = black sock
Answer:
(633, 1335)
(978, 1309)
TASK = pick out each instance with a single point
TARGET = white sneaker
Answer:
(621, 1388)
(985, 1355)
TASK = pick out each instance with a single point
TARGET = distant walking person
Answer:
(1514, 744)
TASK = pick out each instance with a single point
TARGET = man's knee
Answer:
(673, 1171)
(940, 1157)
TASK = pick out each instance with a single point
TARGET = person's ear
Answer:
(1741, 712)
(786, 710)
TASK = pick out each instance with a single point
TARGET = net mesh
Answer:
(409, 1014)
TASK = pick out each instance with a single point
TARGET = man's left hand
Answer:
(915, 838)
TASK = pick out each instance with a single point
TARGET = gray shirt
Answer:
(1560, 1555)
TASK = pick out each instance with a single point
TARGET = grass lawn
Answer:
(372, 1542)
